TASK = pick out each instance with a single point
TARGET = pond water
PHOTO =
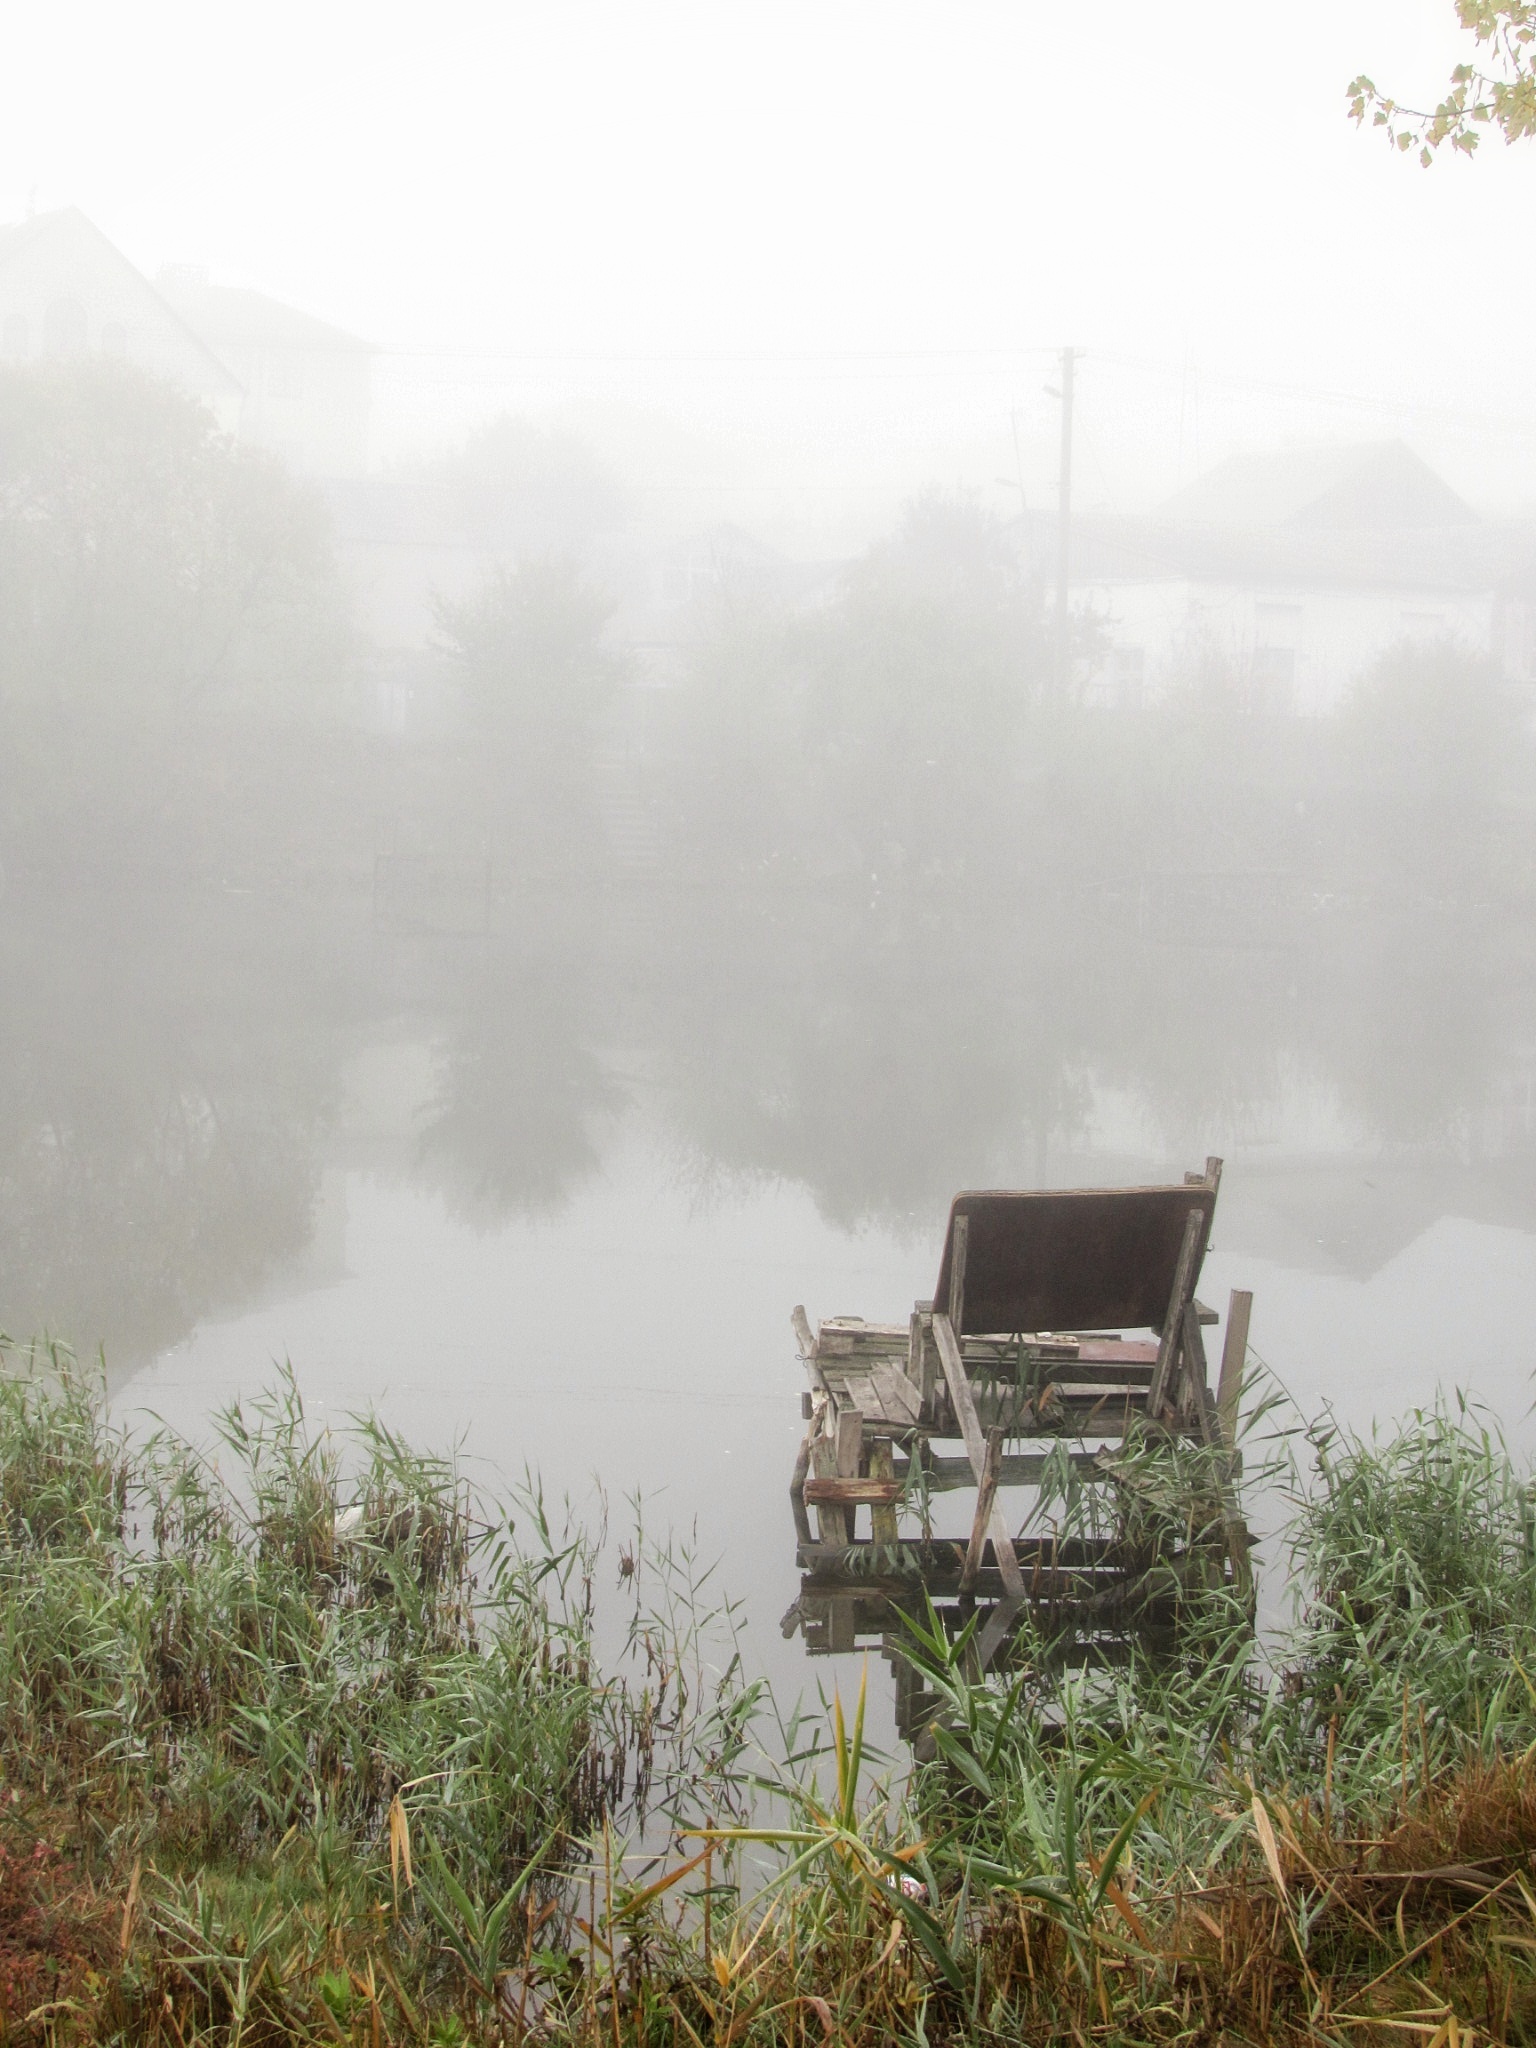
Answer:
(548, 1191)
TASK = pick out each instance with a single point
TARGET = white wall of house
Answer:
(1281, 649)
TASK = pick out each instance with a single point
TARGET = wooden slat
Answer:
(852, 1492)
(899, 1401)
(975, 1444)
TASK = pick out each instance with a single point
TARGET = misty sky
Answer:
(828, 234)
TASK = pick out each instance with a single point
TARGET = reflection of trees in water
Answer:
(1429, 1011)
(513, 1126)
(164, 1085)
(883, 1058)
(167, 1078)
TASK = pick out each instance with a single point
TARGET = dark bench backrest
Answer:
(1074, 1259)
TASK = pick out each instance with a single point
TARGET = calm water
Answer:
(545, 1180)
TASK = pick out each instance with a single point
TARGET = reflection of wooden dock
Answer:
(1023, 1364)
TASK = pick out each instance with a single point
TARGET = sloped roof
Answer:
(228, 316)
(69, 223)
(1371, 486)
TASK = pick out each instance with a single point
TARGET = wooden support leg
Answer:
(1173, 1322)
(986, 1494)
(882, 1465)
(975, 1447)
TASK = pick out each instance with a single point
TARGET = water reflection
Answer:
(170, 1075)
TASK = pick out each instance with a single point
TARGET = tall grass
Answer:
(302, 1741)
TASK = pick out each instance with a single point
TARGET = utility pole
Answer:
(1064, 534)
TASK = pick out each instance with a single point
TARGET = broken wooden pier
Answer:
(1063, 1349)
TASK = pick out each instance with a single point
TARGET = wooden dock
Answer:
(1062, 1350)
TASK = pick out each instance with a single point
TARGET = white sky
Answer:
(811, 248)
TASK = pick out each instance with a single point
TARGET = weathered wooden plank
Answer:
(975, 1444)
(986, 1495)
(849, 1439)
(835, 1520)
(1234, 1359)
(801, 1324)
(854, 1492)
(959, 1240)
(1195, 1381)
(882, 1470)
(1173, 1323)
(899, 1401)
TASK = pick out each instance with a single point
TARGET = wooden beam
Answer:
(920, 1357)
(1234, 1359)
(986, 1495)
(802, 1327)
(1195, 1380)
(1173, 1323)
(852, 1492)
(975, 1444)
(956, 1302)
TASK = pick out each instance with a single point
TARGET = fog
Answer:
(547, 812)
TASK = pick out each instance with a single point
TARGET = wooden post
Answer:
(1234, 1358)
(803, 1336)
(1173, 1321)
(975, 1445)
(986, 1494)
(921, 1358)
(883, 1516)
(850, 1444)
(1194, 1391)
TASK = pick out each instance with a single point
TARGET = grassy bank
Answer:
(305, 1742)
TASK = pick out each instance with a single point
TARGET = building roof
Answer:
(1371, 486)
(228, 316)
(66, 225)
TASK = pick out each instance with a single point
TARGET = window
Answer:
(16, 336)
(64, 328)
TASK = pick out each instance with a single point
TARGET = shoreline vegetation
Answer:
(302, 1740)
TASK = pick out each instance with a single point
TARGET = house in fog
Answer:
(65, 290)
(306, 387)
(275, 377)
(1283, 577)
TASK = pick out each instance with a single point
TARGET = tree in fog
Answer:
(517, 489)
(154, 580)
(922, 676)
(537, 683)
(1437, 763)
